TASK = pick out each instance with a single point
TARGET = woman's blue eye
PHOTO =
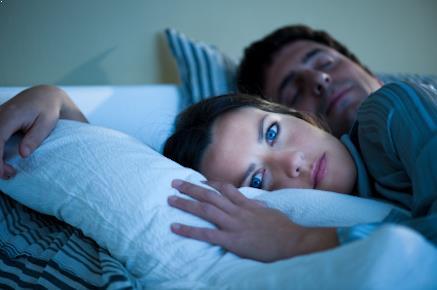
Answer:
(272, 133)
(257, 180)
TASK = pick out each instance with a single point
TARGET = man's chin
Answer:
(346, 121)
(341, 127)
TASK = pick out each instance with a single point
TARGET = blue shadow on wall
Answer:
(88, 73)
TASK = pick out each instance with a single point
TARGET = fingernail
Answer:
(176, 226)
(172, 198)
(176, 182)
(26, 151)
(8, 176)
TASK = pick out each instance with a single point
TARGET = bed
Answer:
(76, 245)
(88, 209)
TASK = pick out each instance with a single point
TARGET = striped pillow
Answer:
(203, 70)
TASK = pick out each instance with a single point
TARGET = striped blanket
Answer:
(38, 251)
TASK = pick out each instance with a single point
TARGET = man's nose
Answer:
(320, 83)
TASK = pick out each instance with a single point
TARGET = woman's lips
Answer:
(319, 171)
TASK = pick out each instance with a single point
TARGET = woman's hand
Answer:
(245, 226)
(34, 112)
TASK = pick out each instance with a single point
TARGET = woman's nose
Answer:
(292, 162)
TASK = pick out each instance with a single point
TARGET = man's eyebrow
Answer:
(260, 140)
(290, 76)
(311, 54)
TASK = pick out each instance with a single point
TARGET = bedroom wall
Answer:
(120, 42)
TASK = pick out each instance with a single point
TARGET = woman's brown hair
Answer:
(194, 125)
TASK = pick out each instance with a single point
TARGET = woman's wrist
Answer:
(69, 110)
(58, 100)
(66, 107)
(313, 240)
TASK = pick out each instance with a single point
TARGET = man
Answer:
(308, 70)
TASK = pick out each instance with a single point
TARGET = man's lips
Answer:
(319, 171)
(335, 98)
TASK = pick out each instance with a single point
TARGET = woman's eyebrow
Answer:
(260, 140)
(261, 129)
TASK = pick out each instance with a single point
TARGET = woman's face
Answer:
(251, 147)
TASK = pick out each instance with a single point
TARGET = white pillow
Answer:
(310, 207)
(115, 190)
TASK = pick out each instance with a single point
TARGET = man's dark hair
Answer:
(193, 129)
(260, 54)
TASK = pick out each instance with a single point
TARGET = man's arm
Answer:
(398, 141)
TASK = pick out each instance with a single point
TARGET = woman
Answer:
(396, 127)
(390, 154)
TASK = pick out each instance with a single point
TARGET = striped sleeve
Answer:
(398, 141)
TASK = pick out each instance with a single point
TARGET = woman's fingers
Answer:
(10, 121)
(36, 129)
(6, 170)
(203, 210)
(36, 134)
(233, 194)
(212, 236)
(2, 163)
(203, 194)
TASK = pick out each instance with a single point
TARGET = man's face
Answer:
(312, 77)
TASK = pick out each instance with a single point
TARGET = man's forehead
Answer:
(299, 50)
(292, 55)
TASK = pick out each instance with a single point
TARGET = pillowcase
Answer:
(205, 71)
(115, 189)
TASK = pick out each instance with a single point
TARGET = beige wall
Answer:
(73, 42)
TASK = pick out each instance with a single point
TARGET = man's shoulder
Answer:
(401, 93)
(420, 79)
(398, 111)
